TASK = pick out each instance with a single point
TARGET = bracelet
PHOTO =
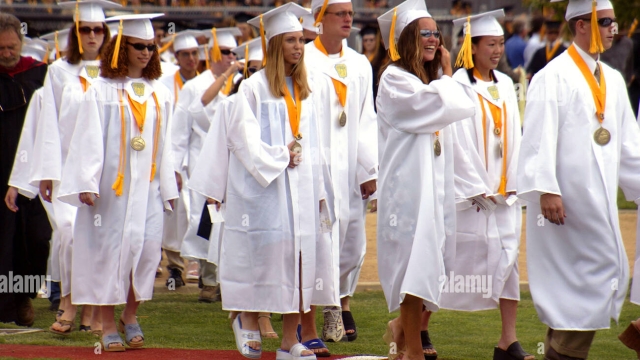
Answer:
(226, 77)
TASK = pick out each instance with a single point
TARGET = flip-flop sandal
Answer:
(67, 332)
(349, 324)
(59, 314)
(427, 345)
(113, 338)
(84, 328)
(513, 352)
(244, 337)
(295, 353)
(96, 333)
(317, 344)
(130, 331)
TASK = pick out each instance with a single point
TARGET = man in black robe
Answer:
(24, 227)
(552, 48)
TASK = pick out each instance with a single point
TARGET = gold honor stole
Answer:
(340, 88)
(549, 52)
(294, 111)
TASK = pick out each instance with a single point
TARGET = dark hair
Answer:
(475, 40)
(572, 23)
(72, 52)
(10, 22)
(536, 24)
(410, 51)
(151, 72)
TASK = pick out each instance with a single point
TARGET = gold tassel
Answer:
(543, 31)
(632, 29)
(321, 13)
(596, 42)
(393, 51)
(245, 72)
(55, 41)
(47, 53)
(206, 55)
(502, 190)
(264, 43)
(153, 171)
(465, 56)
(78, 27)
(119, 184)
(216, 55)
(166, 46)
(116, 51)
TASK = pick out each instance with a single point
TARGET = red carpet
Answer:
(68, 352)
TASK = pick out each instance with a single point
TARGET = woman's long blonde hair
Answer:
(274, 70)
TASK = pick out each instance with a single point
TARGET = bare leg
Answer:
(96, 319)
(309, 331)
(109, 323)
(69, 314)
(344, 302)
(85, 315)
(411, 317)
(128, 315)
(289, 327)
(508, 312)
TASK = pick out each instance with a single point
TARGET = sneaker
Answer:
(333, 329)
(175, 278)
(209, 294)
(193, 271)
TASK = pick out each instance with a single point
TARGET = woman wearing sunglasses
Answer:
(486, 161)
(66, 82)
(415, 187)
(120, 165)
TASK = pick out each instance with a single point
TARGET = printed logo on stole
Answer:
(92, 71)
(493, 91)
(341, 69)
(138, 88)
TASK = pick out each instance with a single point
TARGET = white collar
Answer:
(591, 63)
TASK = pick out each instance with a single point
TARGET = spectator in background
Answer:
(536, 39)
(248, 31)
(620, 55)
(514, 47)
(551, 50)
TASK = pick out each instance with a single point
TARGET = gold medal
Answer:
(296, 148)
(137, 143)
(493, 91)
(92, 71)
(497, 131)
(437, 149)
(138, 88)
(343, 118)
(602, 136)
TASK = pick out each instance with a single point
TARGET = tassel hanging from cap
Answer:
(321, 13)
(78, 27)
(216, 55)
(632, 29)
(465, 56)
(55, 41)
(206, 55)
(263, 39)
(245, 72)
(166, 46)
(393, 51)
(116, 51)
(596, 41)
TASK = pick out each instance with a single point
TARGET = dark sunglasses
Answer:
(428, 33)
(604, 22)
(225, 52)
(141, 47)
(252, 70)
(86, 30)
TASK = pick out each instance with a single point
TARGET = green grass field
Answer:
(178, 320)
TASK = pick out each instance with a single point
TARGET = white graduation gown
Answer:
(120, 236)
(351, 154)
(486, 246)
(416, 204)
(176, 221)
(21, 172)
(188, 132)
(272, 214)
(578, 272)
(62, 96)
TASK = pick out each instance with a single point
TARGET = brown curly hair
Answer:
(72, 52)
(151, 72)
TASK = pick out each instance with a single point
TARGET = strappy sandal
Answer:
(59, 314)
(394, 352)
(513, 352)
(266, 334)
(113, 338)
(68, 323)
(84, 328)
(427, 345)
(349, 324)
(244, 337)
(130, 331)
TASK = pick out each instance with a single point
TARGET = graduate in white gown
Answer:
(119, 164)
(580, 143)
(416, 205)
(274, 190)
(348, 130)
(185, 48)
(67, 81)
(192, 117)
(485, 165)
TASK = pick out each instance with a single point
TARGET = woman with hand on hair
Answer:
(416, 206)
(119, 165)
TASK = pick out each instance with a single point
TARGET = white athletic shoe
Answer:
(333, 329)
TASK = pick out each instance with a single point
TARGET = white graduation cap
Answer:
(281, 20)
(221, 37)
(133, 25)
(88, 10)
(58, 40)
(485, 24)
(249, 51)
(34, 51)
(395, 20)
(322, 6)
(113, 29)
(308, 23)
(577, 8)
(183, 40)
(203, 54)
